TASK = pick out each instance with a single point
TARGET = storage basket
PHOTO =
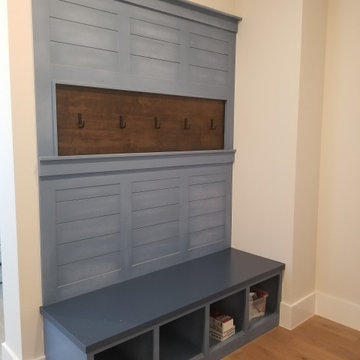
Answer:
(257, 303)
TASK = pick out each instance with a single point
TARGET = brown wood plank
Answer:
(101, 110)
(315, 339)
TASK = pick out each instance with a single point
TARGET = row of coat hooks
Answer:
(157, 123)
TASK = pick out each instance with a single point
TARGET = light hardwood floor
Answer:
(315, 339)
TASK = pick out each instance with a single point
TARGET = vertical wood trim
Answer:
(206, 341)
(42, 64)
(228, 204)
(156, 342)
(123, 38)
(184, 214)
(126, 224)
(54, 118)
(48, 242)
(229, 106)
(246, 309)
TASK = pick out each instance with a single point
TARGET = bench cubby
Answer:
(138, 348)
(233, 305)
(183, 338)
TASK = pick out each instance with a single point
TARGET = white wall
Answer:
(19, 208)
(338, 254)
(279, 91)
(7, 196)
(266, 110)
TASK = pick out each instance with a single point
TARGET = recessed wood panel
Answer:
(150, 122)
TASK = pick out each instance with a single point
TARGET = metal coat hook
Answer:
(187, 125)
(157, 124)
(212, 127)
(81, 122)
(122, 123)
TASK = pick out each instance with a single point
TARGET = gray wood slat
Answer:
(154, 251)
(207, 178)
(154, 31)
(155, 198)
(87, 208)
(154, 68)
(79, 56)
(81, 250)
(208, 76)
(200, 207)
(155, 233)
(206, 237)
(107, 6)
(198, 41)
(88, 268)
(154, 49)
(155, 216)
(210, 60)
(83, 35)
(83, 14)
(86, 192)
(85, 229)
(155, 184)
(204, 222)
(206, 191)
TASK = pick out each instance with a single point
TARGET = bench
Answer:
(165, 314)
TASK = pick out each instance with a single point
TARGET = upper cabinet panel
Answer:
(153, 46)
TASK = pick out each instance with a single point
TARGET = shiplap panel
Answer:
(198, 41)
(154, 251)
(86, 192)
(155, 216)
(155, 184)
(154, 31)
(155, 198)
(153, 233)
(154, 49)
(204, 222)
(206, 237)
(83, 14)
(200, 207)
(207, 178)
(88, 268)
(84, 229)
(83, 35)
(207, 59)
(85, 249)
(206, 191)
(87, 208)
(154, 67)
(209, 76)
(106, 6)
(79, 56)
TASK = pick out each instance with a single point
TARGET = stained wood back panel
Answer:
(182, 123)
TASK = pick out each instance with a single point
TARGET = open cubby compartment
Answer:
(271, 286)
(183, 338)
(140, 347)
(233, 305)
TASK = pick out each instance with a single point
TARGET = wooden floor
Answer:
(316, 339)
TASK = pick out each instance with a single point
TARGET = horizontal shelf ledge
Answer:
(88, 164)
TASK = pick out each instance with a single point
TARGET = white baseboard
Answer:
(8, 354)
(339, 310)
(292, 315)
